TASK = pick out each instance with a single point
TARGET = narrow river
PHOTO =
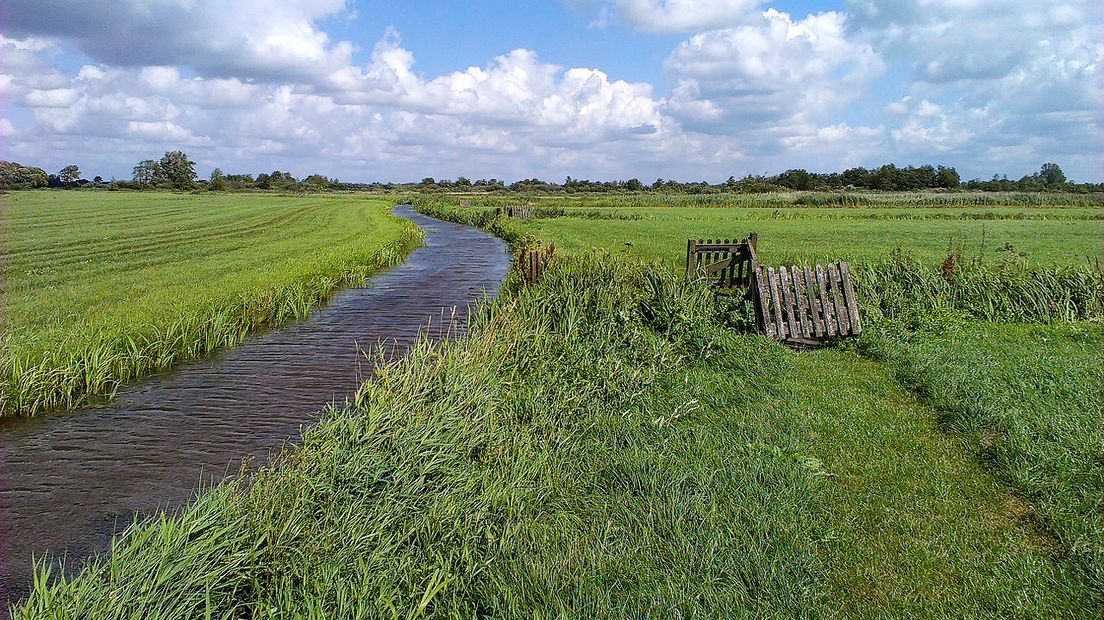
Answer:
(68, 481)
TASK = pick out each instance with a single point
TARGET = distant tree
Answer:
(98, 180)
(217, 182)
(947, 177)
(18, 176)
(240, 181)
(634, 185)
(316, 182)
(1050, 174)
(69, 174)
(147, 173)
(795, 179)
(178, 170)
(463, 182)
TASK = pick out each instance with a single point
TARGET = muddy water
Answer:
(68, 481)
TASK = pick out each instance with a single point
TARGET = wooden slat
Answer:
(762, 303)
(830, 326)
(707, 257)
(837, 299)
(849, 298)
(793, 325)
(690, 258)
(776, 303)
(798, 275)
(814, 303)
(718, 267)
(733, 261)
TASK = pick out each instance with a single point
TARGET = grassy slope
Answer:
(1027, 400)
(599, 447)
(101, 286)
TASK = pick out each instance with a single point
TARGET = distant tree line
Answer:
(888, 178)
(176, 171)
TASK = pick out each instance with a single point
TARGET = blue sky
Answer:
(684, 89)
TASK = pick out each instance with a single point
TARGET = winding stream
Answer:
(68, 481)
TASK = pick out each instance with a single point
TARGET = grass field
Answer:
(604, 444)
(101, 287)
(1036, 235)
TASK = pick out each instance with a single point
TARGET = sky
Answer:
(595, 89)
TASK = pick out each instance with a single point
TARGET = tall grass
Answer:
(64, 377)
(901, 288)
(598, 445)
(563, 459)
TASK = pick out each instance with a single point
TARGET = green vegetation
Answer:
(1066, 232)
(103, 287)
(600, 445)
(1035, 391)
(1027, 400)
(604, 443)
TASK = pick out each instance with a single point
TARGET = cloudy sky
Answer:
(683, 89)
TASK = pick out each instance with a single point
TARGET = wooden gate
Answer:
(800, 305)
(805, 305)
(725, 262)
(524, 212)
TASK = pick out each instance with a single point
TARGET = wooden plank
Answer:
(762, 304)
(689, 258)
(814, 304)
(776, 302)
(798, 275)
(830, 326)
(726, 275)
(718, 267)
(849, 298)
(792, 324)
(837, 298)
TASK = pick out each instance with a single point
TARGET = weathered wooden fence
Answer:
(800, 305)
(533, 261)
(524, 212)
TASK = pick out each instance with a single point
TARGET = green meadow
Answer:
(612, 441)
(103, 287)
(1064, 230)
